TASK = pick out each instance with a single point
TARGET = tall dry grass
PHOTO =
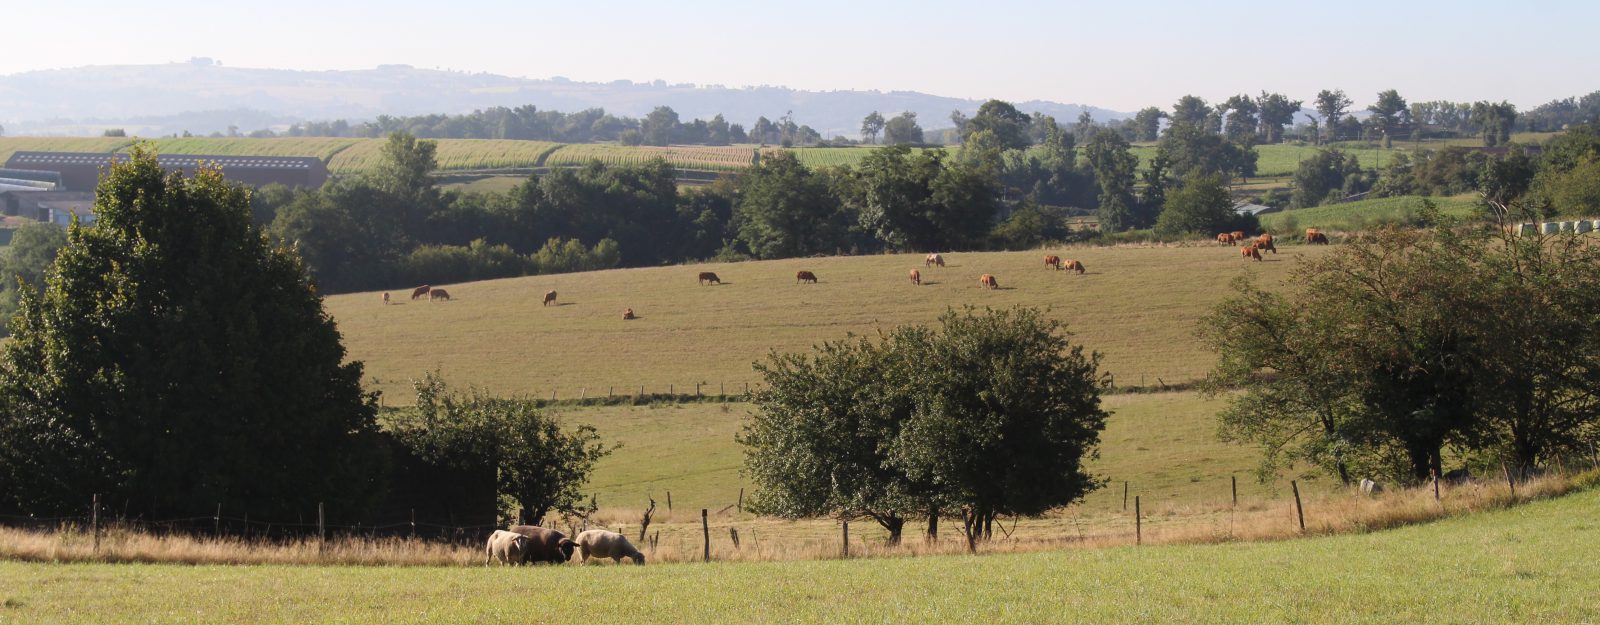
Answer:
(765, 539)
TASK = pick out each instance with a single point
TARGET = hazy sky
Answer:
(1109, 53)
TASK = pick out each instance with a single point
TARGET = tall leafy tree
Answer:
(1242, 118)
(177, 359)
(1202, 205)
(1008, 125)
(1191, 149)
(1332, 106)
(1390, 115)
(1277, 111)
(1148, 123)
(1190, 110)
(1114, 169)
(871, 125)
(33, 247)
(787, 210)
(903, 129)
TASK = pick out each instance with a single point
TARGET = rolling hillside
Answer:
(1138, 306)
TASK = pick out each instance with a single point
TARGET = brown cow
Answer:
(1073, 265)
(933, 259)
(549, 298)
(707, 277)
(628, 314)
(1265, 242)
(1225, 239)
(1237, 235)
(987, 281)
(419, 291)
(438, 294)
(1314, 235)
(805, 276)
(1250, 252)
(385, 299)
(545, 545)
(916, 277)
(1051, 260)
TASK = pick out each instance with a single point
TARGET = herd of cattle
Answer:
(531, 544)
(1253, 247)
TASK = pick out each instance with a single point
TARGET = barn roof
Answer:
(22, 160)
(1246, 208)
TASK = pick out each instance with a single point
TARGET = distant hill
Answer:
(204, 97)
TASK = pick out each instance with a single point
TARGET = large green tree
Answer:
(1332, 106)
(33, 247)
(1114, 170)
(177, 359)
(1201, 205)
(1009, 125)
(787, 210)
(922, 200)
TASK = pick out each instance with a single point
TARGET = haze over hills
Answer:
(203, 97)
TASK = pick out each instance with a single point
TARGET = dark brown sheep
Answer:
(545, 545)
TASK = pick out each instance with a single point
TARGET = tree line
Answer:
(175, 359)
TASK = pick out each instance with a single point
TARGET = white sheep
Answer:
(507, 547)
(604, 544)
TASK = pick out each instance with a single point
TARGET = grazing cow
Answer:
(987, 281)
(1265, 242)
(385, 299)
(628, 314)
(438, 294)
(1225, 239)
(933, 259)
(805, 276)
(419, 291)
(1314, 235)
(1369, 487)
(707, 277)
(549, 298)
(545, 545)
(600, 544)
(1237, 235)
(1250, 252)
(1073, 265)
(506, 547)
(916, 277)
(1051, 260)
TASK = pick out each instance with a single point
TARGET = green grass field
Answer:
(1136, 305)
(1365, 213)
(1532, 564)
(1164, 445)
(705, 158)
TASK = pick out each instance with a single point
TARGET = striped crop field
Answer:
(721, 158)
(12, 145)
(453, 154)
(1365, 213)
(319, 147)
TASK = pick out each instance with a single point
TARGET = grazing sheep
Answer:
(604, 544)
(1369, 487)
(507, 547)
(545, 545)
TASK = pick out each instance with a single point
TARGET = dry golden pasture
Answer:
(1137, 306)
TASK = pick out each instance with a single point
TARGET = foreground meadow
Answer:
(1138, 306)
(1537, 563)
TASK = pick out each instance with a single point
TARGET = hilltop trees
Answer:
(1332, 106)
(871, 125)
(176, 359)
(1390, 115)
(1277, 111)
(862, 428)
(903, 129)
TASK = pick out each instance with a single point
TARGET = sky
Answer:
(1118, 55)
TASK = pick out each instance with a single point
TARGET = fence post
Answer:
(216, 521)
(610, 390)
(741, 500)
(322, 528)
(1138, 522)
(1435, 484)
(94, 521)
(1235, 480)
(669, 501)
(583, 393)
(696, 389)
(1299, 510)
(413, 522)
(552, 395)
(1124, 496)
(733, 533)
(705, 530)
(722, 389)
(846, 525)
(1510, 483)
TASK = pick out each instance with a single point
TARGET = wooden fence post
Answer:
(1124, 496)
(741, 500)
(1235, 480)
(322, 529)
(733, 533)
(846, 525)
(1299, 510)
(696, 389)
(94, 521)
(583, 393)
(1510, 483)
(216, 521)
(722, 389)
(1138, 522)
(669, 501)
(705, 529)
(413, 522)
(1435, 484)
(610, 390)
